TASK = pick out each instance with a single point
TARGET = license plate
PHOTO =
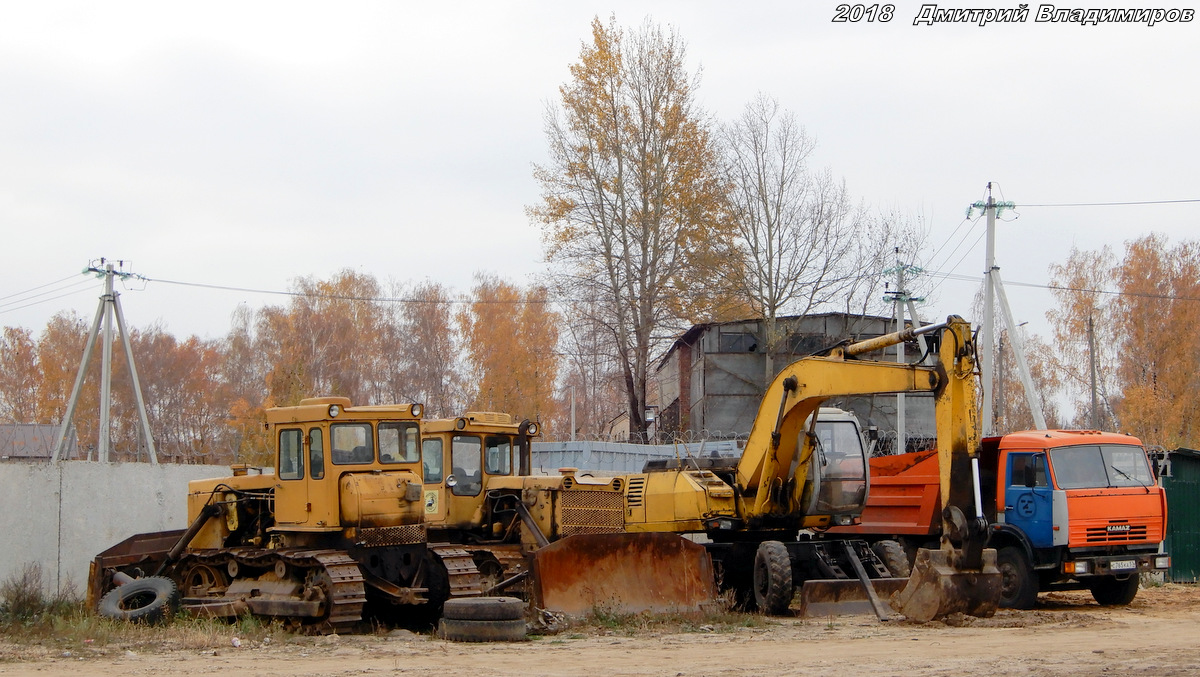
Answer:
(1122, 565)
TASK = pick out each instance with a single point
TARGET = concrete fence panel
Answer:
(61, 515)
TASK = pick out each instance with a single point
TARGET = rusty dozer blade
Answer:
(626, 573)
(821, 598)
(940, 586)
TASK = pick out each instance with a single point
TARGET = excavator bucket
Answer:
(626, 573)
(940, 586)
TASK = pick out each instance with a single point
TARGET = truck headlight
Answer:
(1163, 562)
(1075, 567)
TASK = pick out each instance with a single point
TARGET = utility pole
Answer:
(900, 300)
(994, 291)
(108, 309)
(1091, 335)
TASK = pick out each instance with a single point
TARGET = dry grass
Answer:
(31, 618)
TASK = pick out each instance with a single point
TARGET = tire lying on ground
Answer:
(483, 619)
(460, 630)
(484, 609)
(152, 600)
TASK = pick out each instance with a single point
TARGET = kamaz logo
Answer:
(1118, 528)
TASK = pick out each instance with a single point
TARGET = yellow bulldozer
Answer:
(372, 509)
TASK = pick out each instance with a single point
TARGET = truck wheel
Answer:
(1112, 591)
(484, 609)
(461, 630)
(145, 600)
(773, 589)
(1018, 588)
(892, 554)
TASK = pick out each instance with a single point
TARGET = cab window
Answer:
(497, 455)
(316, 454)
(431, 460)
(1028, 470)
(465, 465)
(291, 454)
(398, 442)
(351, 443)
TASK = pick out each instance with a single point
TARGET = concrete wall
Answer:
(61, 515)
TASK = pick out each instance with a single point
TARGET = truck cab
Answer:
(1080, 507)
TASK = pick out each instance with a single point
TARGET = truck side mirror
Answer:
(1030, 474)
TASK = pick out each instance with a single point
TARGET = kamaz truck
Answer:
(1066, 509)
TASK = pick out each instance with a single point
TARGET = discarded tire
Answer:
(484, 609)
(892, 554)
(144, 600)
(460, 630)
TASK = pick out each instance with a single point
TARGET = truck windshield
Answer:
(1098, 466)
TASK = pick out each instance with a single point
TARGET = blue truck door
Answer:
(1029, 499)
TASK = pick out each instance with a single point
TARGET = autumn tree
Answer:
(1078, 286)
(325, 342)
(423, 342)
(630, 191)
(510, 336)
(20, 376)
(1159, 314)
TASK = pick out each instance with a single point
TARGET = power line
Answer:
(48, 284)
(1054, 287)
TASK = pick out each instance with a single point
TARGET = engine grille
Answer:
(1116, 533)
(378, 537)
(591, 512)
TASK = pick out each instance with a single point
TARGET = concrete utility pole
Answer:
(900, 300)
(110, 307)
(1091, 334)
(993, 291)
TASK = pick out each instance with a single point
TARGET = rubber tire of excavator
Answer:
(894, 558)
(156, 598)
(1018, 587)
(484, 609)
(773, 590)
(1110, 591)
(460, 630)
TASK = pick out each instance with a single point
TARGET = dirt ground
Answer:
(1067, 634)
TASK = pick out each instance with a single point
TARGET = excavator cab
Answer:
(838, 472)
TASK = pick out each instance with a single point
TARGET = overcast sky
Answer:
(246, 144)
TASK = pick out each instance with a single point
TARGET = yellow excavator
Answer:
(799, 474)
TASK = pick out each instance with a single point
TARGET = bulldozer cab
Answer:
(324, 440)
(461, 456)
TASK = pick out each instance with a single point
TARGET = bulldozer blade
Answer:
(821, 598)
(939, 586)
(625, 573)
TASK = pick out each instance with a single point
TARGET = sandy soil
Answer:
(1067, 634)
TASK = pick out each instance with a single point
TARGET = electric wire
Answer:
(22, 293)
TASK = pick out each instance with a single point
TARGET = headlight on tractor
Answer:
(1163, 562)
(1076, 567)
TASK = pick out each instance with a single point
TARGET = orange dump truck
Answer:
(1066, 509)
